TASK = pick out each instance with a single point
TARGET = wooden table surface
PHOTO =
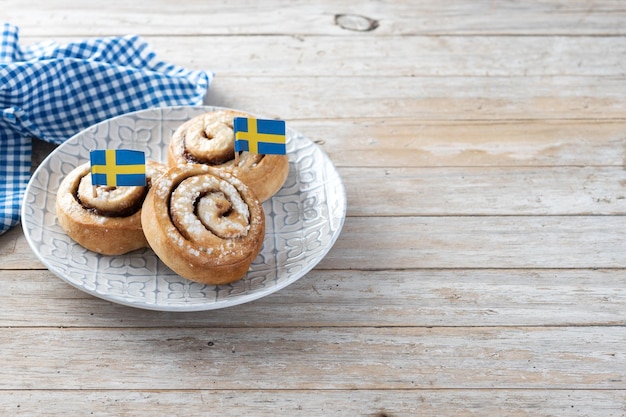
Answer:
(481, 268)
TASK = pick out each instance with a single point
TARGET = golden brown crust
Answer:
(108, 222)
(208, 139)
(204, 223)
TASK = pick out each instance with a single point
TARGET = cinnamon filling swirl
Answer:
(204, 223)
(208, 139)
(109, 201)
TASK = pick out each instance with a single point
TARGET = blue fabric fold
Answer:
(51, 92)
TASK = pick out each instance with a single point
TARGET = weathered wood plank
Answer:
(288, 17)
(440, 56)
(349, 403)
(426, 98)
(324, 358)
(544, 297)
(199, 17)
(389, 142)
(485, 191)
(479, 242)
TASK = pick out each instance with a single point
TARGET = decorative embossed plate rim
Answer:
(303, 221)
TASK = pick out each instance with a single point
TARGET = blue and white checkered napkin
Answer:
(53, 91)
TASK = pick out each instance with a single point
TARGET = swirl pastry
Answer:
(209, 139)
(107, 221)
(204, 223)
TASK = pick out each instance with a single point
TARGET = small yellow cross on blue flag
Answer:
(260, 136)
(118, 167)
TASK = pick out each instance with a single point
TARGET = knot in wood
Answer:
(355, 22)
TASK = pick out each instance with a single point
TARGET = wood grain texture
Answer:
(348, 403)
(481, 267)
(315, 358)
(330, 298)
(479, 242)
(452, 98)
(416, 142)
(557, 17)
(388, 56)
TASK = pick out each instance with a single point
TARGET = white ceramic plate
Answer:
(303, 220)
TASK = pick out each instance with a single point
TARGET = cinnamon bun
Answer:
(204, 223)
(106, 220)
(208, 139)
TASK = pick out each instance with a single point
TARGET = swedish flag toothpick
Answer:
(260, 136)
(118, 167)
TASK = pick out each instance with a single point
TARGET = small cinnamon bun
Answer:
(204, 223)
(208, 139)
(106, 220)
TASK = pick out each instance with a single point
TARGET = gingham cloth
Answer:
(51, 91)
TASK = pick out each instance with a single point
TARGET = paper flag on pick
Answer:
(260, 136)
(118, 167)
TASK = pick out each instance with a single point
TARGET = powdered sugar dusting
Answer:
(207, 207)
